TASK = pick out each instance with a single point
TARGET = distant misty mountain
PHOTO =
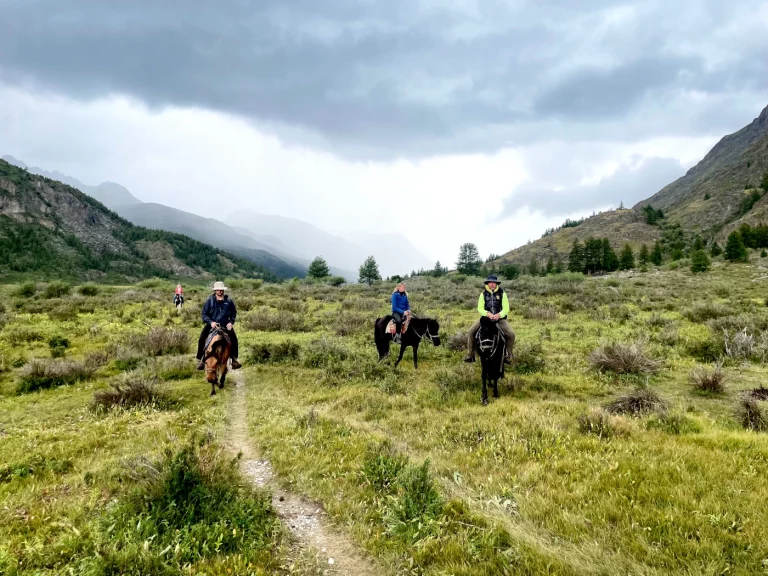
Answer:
(393, 252)
(282, 245)
(210, 231)
(108, 193)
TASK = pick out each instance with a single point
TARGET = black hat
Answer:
(492, 278)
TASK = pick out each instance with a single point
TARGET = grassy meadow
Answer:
(629, 437)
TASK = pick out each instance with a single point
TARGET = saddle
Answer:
(215, 332)
(498, 333)
(392, 326)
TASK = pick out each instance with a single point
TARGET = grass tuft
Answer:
(752, 415)
(623, 358)
(708, 381)
(641, 401)
(127, 391)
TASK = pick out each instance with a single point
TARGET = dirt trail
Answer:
(303, 517)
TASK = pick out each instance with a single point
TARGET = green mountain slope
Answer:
(48, 228)
(709, 201)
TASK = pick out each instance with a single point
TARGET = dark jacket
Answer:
(495, 302)
(400, 303)
(220, 311)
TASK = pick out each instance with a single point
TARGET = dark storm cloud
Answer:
(405, 77)
(629, 184)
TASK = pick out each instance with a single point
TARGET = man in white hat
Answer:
(218, 310)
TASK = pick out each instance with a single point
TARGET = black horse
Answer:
(418, 329)
(490, 344)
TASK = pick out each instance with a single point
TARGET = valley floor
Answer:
(408, 466)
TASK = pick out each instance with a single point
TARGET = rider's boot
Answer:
(236, 364)
(201, 365)
(469, 358)
(508, 359)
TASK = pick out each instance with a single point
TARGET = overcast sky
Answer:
(448, 121)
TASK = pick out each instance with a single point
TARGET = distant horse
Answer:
(178, 300)
(418, 329)
(491, 347)
(216, 357)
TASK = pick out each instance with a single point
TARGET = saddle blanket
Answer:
(391, 327)
(211, 336)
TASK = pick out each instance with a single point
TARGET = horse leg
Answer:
(402, 351)
(223, 376)
(416, 355)
(495, 388)
(213, 387)
(485, 391)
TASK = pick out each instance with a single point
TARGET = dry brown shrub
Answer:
(624, 358)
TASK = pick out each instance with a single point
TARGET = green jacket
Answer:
(504, 304)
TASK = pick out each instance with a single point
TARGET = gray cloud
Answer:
(628, 184)
(406, 77)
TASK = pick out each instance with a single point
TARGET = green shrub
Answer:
(529, 358)
(21, 335)
(282, 321)
(457, 378)
(162, 340)
(381, 466)
(673, 423)
(175, 368)
(195, 505)
(703, 311)
(37, 465)
(128, 358)
(285, 351)
(600, 424)
(88, 290)
(457, 342)
(44, 374)
(324, 353)
(27, 290)
(56, 290)
(417, 504)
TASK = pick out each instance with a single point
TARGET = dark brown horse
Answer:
(215, 358)
(418, 329)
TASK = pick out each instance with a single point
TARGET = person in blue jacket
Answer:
(218, 311)
(400, 308)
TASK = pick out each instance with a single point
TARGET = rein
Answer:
(426, 333)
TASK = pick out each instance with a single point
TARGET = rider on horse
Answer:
(178, 297)
(219, 310)
(400, 308)
(493, 304)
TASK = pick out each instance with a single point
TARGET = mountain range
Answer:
(283, 245)
(712, 199)
(51, 229)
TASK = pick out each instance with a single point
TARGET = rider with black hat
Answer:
(494, 304)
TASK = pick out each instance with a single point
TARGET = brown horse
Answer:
(216, 357)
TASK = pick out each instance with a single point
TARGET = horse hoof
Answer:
(485, 401)
(221, 386)
(213, 392)
(495, 395)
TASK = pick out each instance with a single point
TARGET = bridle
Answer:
(426, 333)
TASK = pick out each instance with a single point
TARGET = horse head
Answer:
(216, 357)
(487, 337)
(433, 330)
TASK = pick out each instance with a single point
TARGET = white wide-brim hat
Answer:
(219, 286)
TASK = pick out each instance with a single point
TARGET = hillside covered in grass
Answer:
(49, 229)
(631, 435)
(726, 189)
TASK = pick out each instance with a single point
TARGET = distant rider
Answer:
(494, 304)
(400, 308)
(178, 297)
(219, 310)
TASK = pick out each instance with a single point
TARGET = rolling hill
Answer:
(48, 228)
(709, 201)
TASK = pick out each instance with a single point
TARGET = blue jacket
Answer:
(222, 312)
(400, 303)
